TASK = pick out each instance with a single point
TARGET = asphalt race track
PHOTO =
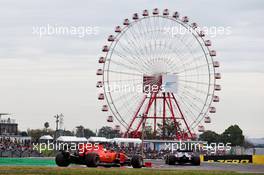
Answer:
(242, 168)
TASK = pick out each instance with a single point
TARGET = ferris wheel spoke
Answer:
(134, 100)
(155, 40)
(126, 66)
(142, 33)
(189, 106)
(125, 80)
(190, 94)
(185, 108)
(138, 45)
(186, 46)
(193, 68)
(127, 103)
(195, 90)
(118, 117)
(125, 58)
(126, 73)
(180, 56)
(157, 34)
(170, 45)
(194, 82)
(129, 54)
(191, 91)
(193, 96)
(116, 113)
(152, 44)
(167, 57)
(134, 103)
(148, 38)
(135, 46)
(167, 45)
(192, 75)
(191, 101)
(142, 37)
(173, 38)
(120, 97)
(155, 28)
(121, 120)
(183, 64)
(152, 38)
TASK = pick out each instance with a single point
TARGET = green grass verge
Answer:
(27, 161)
(29, 170)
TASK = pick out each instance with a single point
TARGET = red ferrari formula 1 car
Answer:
(98, 156)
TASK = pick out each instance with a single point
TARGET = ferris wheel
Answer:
(158, 67)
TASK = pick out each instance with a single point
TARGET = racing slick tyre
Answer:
(62, 160)
(137, 161)
(92, 160)
(171, 160)
(196, 161)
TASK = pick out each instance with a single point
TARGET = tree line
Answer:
(233, 134)
(80, 131)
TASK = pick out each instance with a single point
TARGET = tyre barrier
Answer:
(255, 159)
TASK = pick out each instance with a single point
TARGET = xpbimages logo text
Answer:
(210, 148)
(51, 146)
(64, 30)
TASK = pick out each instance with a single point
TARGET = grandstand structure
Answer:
(8, 126)
(11, 143)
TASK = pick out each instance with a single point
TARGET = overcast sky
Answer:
(43, 76)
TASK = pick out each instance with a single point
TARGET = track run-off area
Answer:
(48, 166)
